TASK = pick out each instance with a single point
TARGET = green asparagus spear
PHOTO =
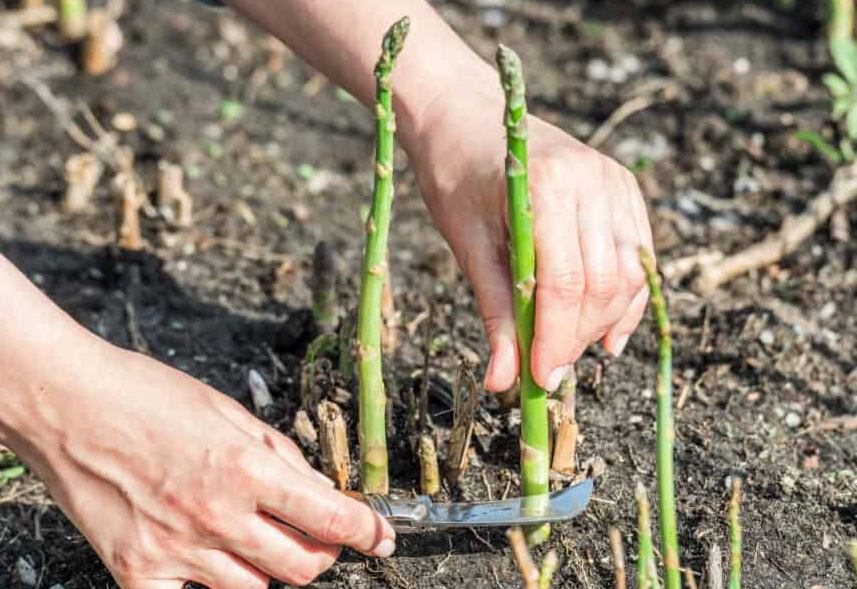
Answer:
(735, 534)
(665, 426)
(534, 413)
(372, 399)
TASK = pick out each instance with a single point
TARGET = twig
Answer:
(523, 558)
(689, 579)
(618, 557)
(28, 17)
(714, 568)
(794, 231)
(629, 108)
(843, 422)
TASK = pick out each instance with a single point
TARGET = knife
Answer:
(421, 512)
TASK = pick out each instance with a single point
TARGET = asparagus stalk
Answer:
(548, 569)
(644, 541)
(72, 19)
(372, 399)
(535, 439)
(521, 553)
(735, 534)
(852, 549)
(429, 470)
(665, 426)
(618, 552)
(325, 310)
(840, 25)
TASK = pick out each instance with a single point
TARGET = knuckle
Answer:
(567, 286)
(129, 561)
(342, 527)
(602, 286)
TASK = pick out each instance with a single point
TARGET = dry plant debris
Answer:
(82, 174)
(333, 437)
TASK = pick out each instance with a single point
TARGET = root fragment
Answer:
(172, 194)
(82, 173)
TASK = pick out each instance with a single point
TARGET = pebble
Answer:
(741, 66)
(827, 311)
(598, 70)
(767, 337)
(787, 483)
(26, 573)
(124, 122)
(792, 420)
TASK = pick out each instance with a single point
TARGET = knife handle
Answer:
(399, 512)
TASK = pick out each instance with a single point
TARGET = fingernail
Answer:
(385, 547)
(619, 347)
(555, 378)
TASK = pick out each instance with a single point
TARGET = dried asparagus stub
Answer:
(333, 437)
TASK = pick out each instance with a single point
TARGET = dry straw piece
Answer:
(103, 43)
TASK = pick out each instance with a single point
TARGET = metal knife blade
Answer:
(422, 512)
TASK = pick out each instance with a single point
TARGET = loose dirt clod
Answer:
(82, 173)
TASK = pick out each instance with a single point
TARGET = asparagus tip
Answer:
(511, 71)
(394, 40)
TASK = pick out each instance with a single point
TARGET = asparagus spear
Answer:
(665, 427)
(535, 450)
(735, 534)
(645, 552)
(372, 399)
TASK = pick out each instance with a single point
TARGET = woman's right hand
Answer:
(172, 481)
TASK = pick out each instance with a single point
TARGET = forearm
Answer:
(40, 348)
(342, 39)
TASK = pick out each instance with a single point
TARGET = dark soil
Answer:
(766, 358)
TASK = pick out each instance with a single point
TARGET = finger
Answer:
(617, 338)
(325, 514)
(605, 225)
(487, 268)
(560, 284)
(269, 437)
(222, 570)
(285, 553)
(633, 278)
(148, 584)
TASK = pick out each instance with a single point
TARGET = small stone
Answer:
(26, 573)
(787, 483)
(767, 337)
(741, 66)
(598, 70)
(827, 311)
(124, 122)
(792, 420)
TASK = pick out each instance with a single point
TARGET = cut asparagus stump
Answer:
(372, 400)
(535, 442)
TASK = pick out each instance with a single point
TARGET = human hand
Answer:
(172, 481)
(589, 221)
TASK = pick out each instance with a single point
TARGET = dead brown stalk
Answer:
(171, 193)
(335, 456)
(465, 402)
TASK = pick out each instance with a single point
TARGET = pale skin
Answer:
(172, 481)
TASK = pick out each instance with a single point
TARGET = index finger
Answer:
(327, 515)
